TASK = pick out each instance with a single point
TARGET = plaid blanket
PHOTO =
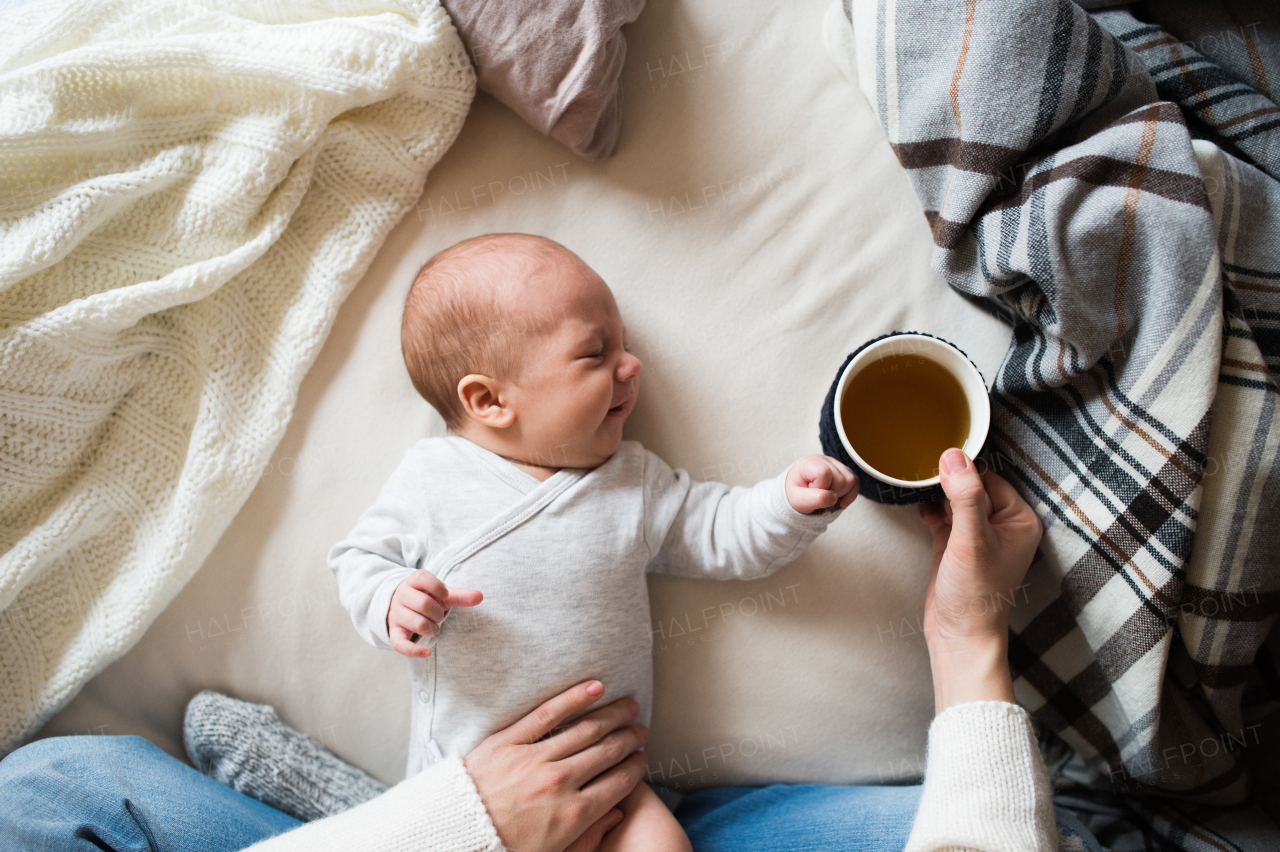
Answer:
(1109, 188)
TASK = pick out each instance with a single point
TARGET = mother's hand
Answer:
(984, 538)
(560, 794)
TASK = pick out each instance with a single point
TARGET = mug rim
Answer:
(980, 419)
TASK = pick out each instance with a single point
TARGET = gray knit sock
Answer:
(248, 748)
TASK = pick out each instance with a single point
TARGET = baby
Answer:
(535, 505)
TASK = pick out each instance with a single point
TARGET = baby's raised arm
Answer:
(707, 529)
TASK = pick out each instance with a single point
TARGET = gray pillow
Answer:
(555, 62)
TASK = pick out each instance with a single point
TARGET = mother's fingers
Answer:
(613, 786)
(1000, 497)
(1012, 515)
(1003, 495)
(605, 754)
(935, 516)
(590, 729)
(932, 512)
(551, 713)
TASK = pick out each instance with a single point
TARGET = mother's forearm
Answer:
(970, 669)
(438, 809)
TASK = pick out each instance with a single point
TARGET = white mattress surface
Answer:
(755, 228)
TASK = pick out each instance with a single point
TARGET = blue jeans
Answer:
(799, 818)
(123, 794)
(816, 818)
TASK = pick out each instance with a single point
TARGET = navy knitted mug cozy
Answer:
(869, 486)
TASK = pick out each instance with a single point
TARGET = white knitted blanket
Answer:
(187, 193)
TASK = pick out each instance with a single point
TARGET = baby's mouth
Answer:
(623, 408)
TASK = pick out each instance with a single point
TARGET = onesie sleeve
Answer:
(385, 547)
(986, 787)
(707, 529)
(439, 809)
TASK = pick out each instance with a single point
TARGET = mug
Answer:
(878, 486)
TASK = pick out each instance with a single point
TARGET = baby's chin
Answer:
(598, 451)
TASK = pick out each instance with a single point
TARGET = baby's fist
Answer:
(418, 605)
(820, 482)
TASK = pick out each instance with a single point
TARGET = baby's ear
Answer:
(483, 402)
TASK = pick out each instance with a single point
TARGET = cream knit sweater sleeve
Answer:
(986, 787)
(437, 810)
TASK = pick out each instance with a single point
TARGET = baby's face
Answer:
(577, 382)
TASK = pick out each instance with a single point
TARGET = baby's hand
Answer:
(820, 482)
(418, 605)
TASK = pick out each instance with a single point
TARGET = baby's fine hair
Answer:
(455, 321)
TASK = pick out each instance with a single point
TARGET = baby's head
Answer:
(520, 347)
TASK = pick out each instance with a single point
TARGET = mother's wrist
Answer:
(965, 639)
(970, 668)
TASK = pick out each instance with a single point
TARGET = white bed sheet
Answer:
(755, 228)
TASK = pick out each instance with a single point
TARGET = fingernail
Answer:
(954, 461)
(634, 705)
(595, 688)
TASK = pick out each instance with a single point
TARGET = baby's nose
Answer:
(629, 367)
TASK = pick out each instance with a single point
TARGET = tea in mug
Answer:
(901, 412)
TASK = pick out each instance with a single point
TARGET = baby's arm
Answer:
(707, 529)
(377, 566)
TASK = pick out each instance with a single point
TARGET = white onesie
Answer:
(562, 566)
